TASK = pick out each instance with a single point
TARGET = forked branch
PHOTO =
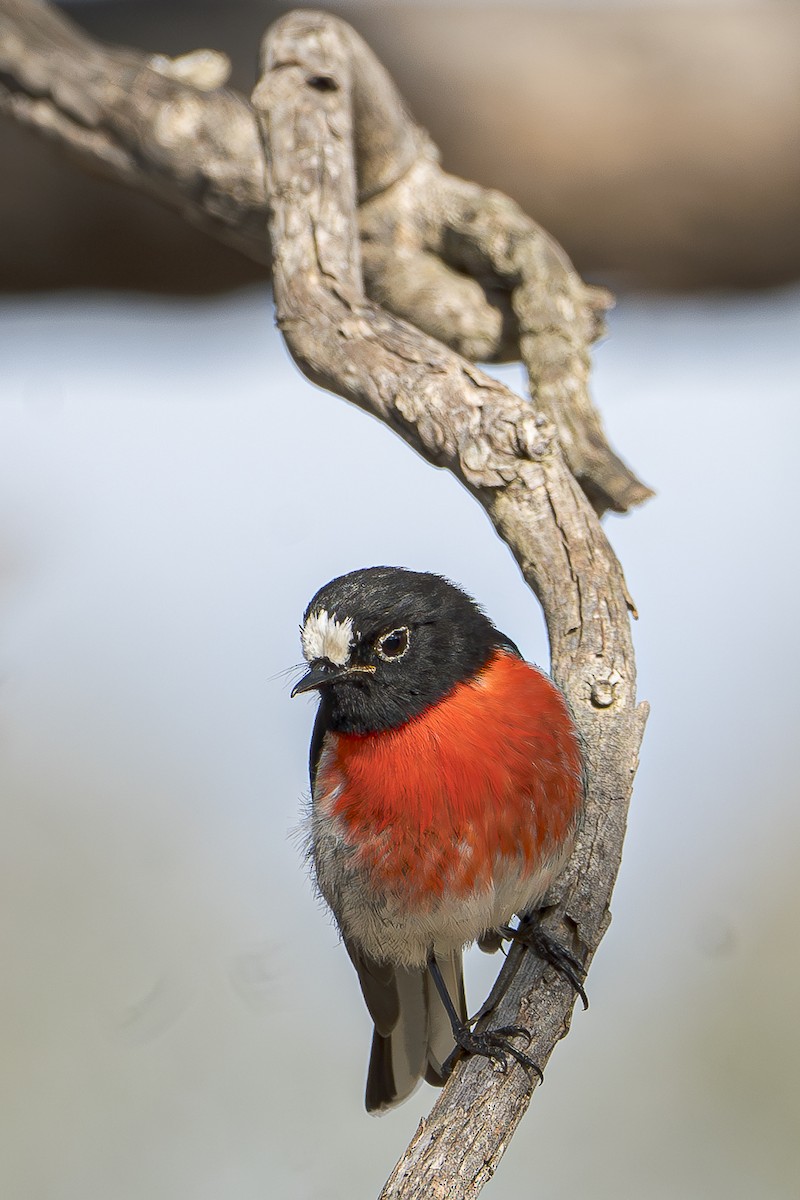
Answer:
(460, 262)
(510, 457)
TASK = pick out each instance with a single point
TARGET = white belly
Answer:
(406, 929)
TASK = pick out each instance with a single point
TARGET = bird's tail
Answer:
(421, 1040)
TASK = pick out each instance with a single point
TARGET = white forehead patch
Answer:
(325, 637)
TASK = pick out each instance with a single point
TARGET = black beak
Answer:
(319, 674)
(322, 673)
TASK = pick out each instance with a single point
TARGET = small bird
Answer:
(446, 790)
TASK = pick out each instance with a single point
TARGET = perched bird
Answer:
(447, 786)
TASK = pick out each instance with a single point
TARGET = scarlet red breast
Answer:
(446, 790)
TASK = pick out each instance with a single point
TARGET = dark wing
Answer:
(388, 1080)
(505, 643)
(413, 1038)
(379, 986)
(321, 726)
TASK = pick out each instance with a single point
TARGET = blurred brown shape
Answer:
(661, 146)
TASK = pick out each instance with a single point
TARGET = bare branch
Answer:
(138, 119)
(447, 235)
(462, 263)
(510, 458)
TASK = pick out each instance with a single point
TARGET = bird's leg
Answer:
(529, 933)
(494, 1044)
(504, 980)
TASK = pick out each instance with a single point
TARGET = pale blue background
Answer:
(177, 1018)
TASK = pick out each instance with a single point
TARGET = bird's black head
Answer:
(385, 643)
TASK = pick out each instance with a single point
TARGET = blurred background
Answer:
(177, 1017)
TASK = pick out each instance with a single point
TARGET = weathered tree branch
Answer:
(509, 456)
(462, 263)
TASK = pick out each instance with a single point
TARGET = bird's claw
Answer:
(496, 1045)
(530, 934)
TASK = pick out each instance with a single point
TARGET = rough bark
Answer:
(510, 457)
(464, 264)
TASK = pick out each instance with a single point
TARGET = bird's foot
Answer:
(530, 934)
(494, 1044)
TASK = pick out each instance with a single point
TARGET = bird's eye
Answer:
(393, 645)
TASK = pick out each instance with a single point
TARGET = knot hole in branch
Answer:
(322, 83)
